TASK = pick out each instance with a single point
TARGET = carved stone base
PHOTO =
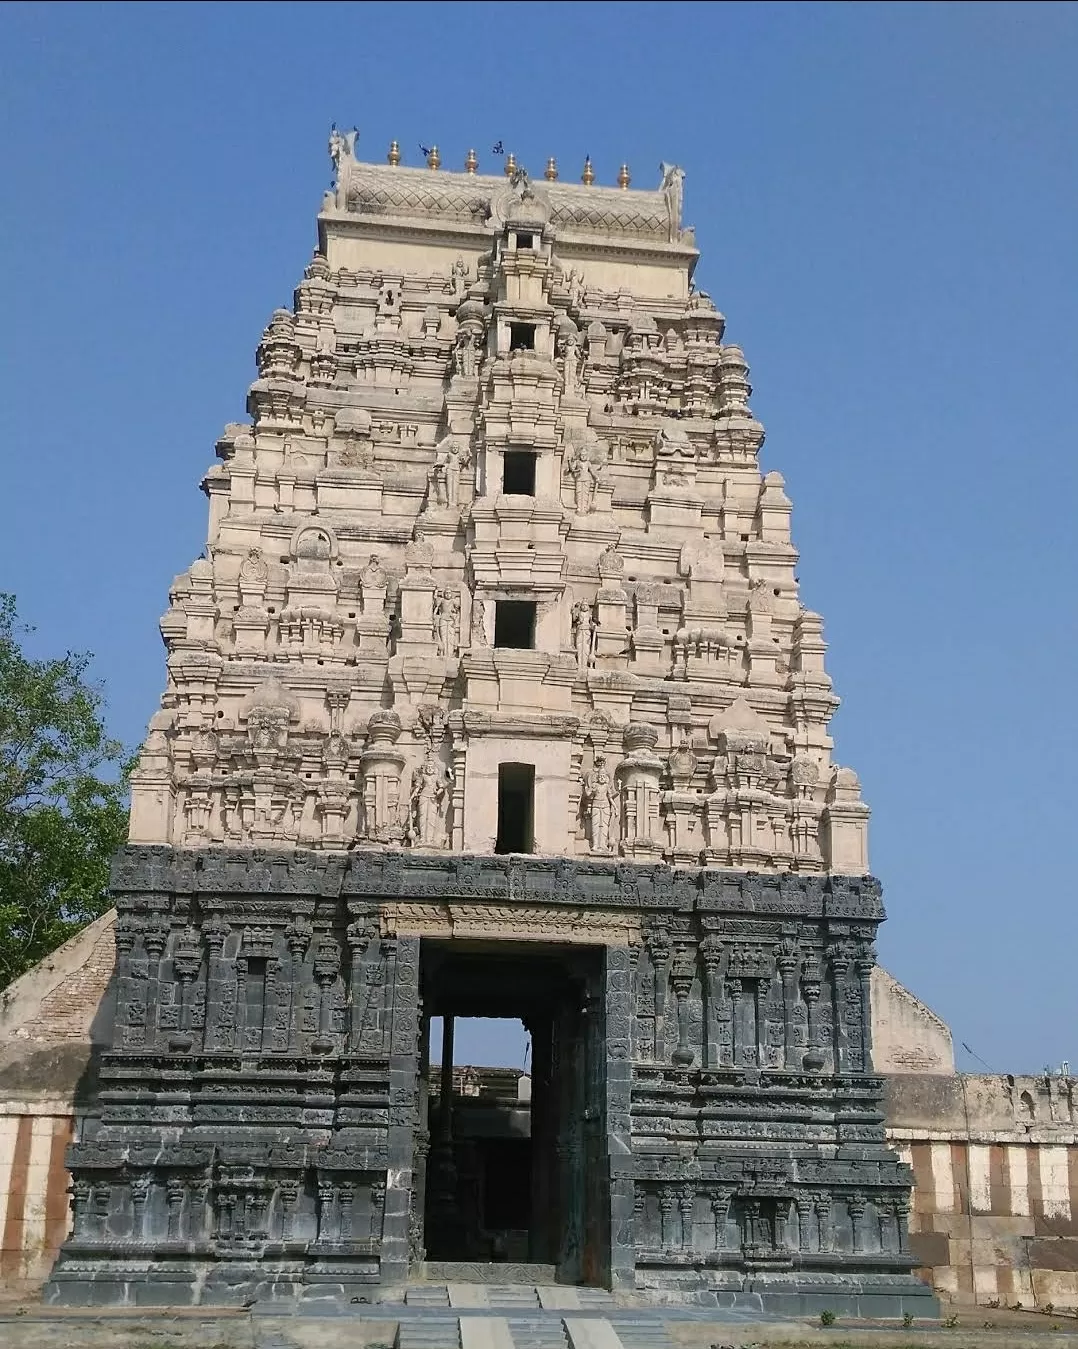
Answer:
(258, 1120)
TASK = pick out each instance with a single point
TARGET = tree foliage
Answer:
(63, 787)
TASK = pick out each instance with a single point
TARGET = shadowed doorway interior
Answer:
(513, 1160)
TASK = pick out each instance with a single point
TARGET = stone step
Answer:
(428, 1332)
(426, 1295)
(517, 1296)
(592, 1299)
(538, 1332)
(641, 1332)
(591, 1332)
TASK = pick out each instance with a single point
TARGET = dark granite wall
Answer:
(257, 1115)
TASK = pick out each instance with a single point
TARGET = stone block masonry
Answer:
(259, 1123)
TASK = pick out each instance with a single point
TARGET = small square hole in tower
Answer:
(525, 241)
(518, 473)
(514, 624)
(516, 808)
(522, 337)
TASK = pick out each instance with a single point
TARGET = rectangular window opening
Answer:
(525, 241)
(516, 803)
(522, 337)
(514, 624)
(518, 473)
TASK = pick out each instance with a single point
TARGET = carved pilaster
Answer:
(175, 1193)
(687, 1203)
(327, 966)
(721, 1198)
(856, 1206)
(668, 1207)
(805, 1213)
(298, 936)
(682, 980)
(711, 958)
(839, 957)
(325, 1195)
(81, 1193)
(864, 960)
(361, 932)
(140, 1193)
(824, 1222)
(788, 961)
(659, 949)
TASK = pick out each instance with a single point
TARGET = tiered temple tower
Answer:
(493, 695)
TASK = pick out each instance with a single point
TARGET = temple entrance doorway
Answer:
(511, 1161)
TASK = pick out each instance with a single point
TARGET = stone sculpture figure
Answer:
(571, 364)
(341, 144)
(373, 574)
(673, 189)
(253, 569)
(447, 622)
(428, 792)
(479, 623)
(600, 799)
(444, 479)
(575, 283)
(585, 473)
(465, 355)
(584, 627)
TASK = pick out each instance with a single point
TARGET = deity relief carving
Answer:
(253, 571)
(569, 354)
(611, 564)
(429, 788)
(600, 800)
(447, 623)
(451, 457)
(373, 583)
(673, 190)
(584, 629)
(586, 466)
(466, 354)
(479, 623)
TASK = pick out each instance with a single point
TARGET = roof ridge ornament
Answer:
(672, 187)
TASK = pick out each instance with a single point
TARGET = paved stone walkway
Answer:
(469, 1316)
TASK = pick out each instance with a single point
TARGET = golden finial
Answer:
(550, 173)
(394, 156)
(434, 159)
(471, 164)
(588, 176)
(623, 177)
(510, 164)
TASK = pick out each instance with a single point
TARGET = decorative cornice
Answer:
(379, 190)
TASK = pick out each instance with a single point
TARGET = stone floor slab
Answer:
(591, 1332)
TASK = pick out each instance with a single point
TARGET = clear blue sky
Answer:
(885, 197)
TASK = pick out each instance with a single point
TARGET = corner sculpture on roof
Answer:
(493, 696)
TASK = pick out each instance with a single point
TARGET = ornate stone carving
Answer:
(450, 458)
(602, 807)
(447, 622)
(430, 782)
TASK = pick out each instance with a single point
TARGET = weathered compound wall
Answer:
(48, 1021)
(995, 1204)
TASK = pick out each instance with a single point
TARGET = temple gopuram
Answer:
(493, 695)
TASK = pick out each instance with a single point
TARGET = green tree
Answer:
(63, 789)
